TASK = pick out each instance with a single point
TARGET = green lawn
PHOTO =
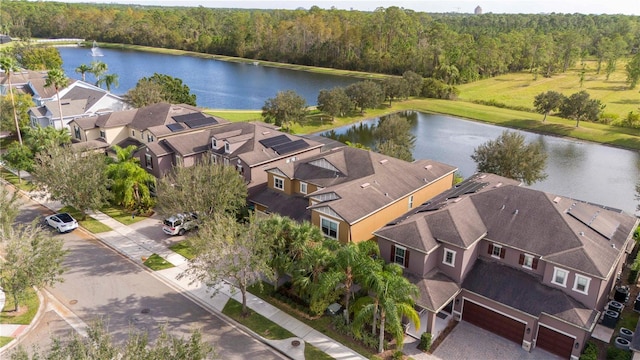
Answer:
(4, 340)
(155, 263)
(268, 329)
(183, 249)
(322, 324)
(236, 115)
(30, 302)
(92, 225)
(122, 215)
(13, 179)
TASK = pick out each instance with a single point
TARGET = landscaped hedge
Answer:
(590, 352)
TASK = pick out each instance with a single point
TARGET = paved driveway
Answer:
(468, 341)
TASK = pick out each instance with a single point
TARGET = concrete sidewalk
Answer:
(137, 246)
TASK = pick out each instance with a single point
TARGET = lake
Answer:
(217, 84)
(581, 170)
(585, 171)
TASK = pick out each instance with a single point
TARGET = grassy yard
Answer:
(27, 311)
(13, 179)
(4, 340)
(183, 249)
(92, 225)
(322, 324)
(267, 328)
(122, 215)
(155, 262)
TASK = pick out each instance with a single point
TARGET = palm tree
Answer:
(40, 138)
(58, 80)
(315, 260)
(108, 80)
(393, 299)
(83, 69)
(97, 69)
(279, 227)
(130, 182)
(351, 261)
(8, 65)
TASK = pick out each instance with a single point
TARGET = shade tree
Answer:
(580, 107)
(547, 102)
(285, 108)
(334, 102)
(365, 94)
(509, 156)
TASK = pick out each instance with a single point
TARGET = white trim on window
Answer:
(528, 262)
(400, 258)
(227, 147)
(495, 251)
(303, 187)
(410, 202)
(331, 229)
(583, 282)
(278, 183)
(449, 260)
(560, 274)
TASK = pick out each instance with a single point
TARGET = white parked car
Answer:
(180, 223)
(62, 222)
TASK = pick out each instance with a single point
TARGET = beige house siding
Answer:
(343, 227)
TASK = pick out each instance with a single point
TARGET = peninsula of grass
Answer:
(4, 340)
(268, 329)
(155, 262)
(26, 312)
(121, 215)
(183, 249)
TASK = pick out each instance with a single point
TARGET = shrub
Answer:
(590, 352)
(398, 355)
(375, 357)
(425, 341)
(618, 354)
(635, 267)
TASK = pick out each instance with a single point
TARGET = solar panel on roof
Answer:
(290, 147)
(276, 140)
(175, 127)
(197, 123)
(465, 188)
(430, 207)
(596, 220)
(188, 117)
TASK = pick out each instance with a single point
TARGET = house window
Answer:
(329, 227)
(411, 202)
(278, 183)
(214, 159)
(449, 257)
(76, 131)
(103, 134)
(240, 169)
(303, 187)
(581, 284)
(214, 143)
(133, 133)
(148, 161)
(400, 256)
(226, 161)
(560, 277)
(149, 138)
(528, 261)
(496, 251)
(226, 147)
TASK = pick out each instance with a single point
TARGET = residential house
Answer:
(532, 267)
(350, 192)
(78, 100)
(146, 128)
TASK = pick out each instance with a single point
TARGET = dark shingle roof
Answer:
(525, 292)
(436, 290)
(532, 221)
(279, 203)
(189, 143)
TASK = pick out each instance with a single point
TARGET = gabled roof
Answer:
(70, 108)
(252, 137)
(116, 118)
(436, 290)
(188, 144)
(160, 114)
(567, 232)
(363, 181)
(526, 292)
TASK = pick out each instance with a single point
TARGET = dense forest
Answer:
(455, 48)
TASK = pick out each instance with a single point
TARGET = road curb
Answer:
(34, 322)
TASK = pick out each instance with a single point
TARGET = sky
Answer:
(627, 7)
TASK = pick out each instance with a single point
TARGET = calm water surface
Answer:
(585, 171)
(217, 84)
(580, 170)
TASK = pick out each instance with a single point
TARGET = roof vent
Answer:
(266, 132)
(613, 246)
(498, 184)
(557, 199)
(364, 185)
(383, 161)
(515, 212)
(386, 194)
(482, 176)
(428, 167)
(581, 233)
(503, 206)
(457, 199)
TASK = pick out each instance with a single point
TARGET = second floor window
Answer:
(278, 183)
(528, 261)
(148, 161)
(401, 256)
(581, 284)
(103, 134)
(411, 202)
(560, 277)
(449, 257)
(496, 251)
(329, 228)
(303, 188)
(76, 131)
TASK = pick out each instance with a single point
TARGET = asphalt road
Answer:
(101, 284)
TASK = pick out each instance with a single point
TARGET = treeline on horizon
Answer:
(455, 48)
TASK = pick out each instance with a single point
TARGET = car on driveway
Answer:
(63, 222)
(178, 224)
